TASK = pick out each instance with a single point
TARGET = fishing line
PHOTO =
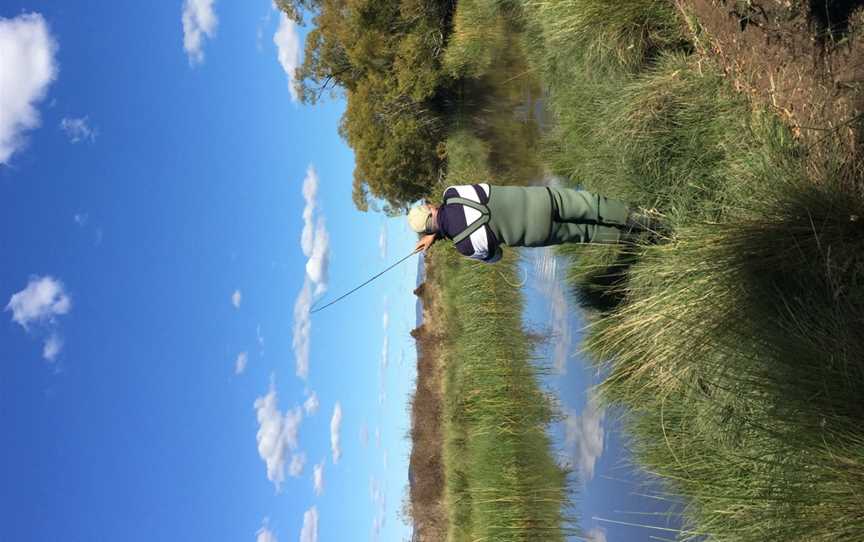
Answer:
(314, 310)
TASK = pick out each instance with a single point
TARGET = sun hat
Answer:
(417, 218)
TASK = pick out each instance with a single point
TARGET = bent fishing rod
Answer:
(314, 310)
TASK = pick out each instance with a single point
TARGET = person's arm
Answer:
(425, 242)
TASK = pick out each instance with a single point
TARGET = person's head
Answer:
(423, 218)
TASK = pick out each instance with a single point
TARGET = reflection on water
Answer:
(612, 490)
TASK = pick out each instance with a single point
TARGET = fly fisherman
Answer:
(480, 218)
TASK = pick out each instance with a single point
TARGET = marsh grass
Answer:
(503, 482)
(737, 349)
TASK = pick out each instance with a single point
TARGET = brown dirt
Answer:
(787, 55)
(426, 467)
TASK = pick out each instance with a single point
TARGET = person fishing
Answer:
(480, 218)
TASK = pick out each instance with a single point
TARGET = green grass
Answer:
(736, 350)
(502, 479)
(503, 482)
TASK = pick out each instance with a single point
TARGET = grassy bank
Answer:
(736, 349)
(502, 481)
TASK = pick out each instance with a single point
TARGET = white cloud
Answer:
(318, 478)
(596, 535)
(298, 461)
(385, 318)
(318, 262)
(80, 218)
(277, 435)
(240, 364)
(264, 534)
(311, 404)
(78, 129)
(583, 438)
(199, 20)
(309, 532)
(377, 437)
(52, 348)
(382, 241)
(314, 239)
(310, 195)
(236, 298)
(288, 46)
(302, 330)
(27, 67)
(42, 299)
(315, 243)
(335, 427)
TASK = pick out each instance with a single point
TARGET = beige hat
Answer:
(417, 218)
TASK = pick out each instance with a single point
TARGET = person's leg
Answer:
(583, 207)
(572, 232)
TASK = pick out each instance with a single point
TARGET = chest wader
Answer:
(485, 216)
(580, 216)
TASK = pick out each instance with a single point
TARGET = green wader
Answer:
(532, 216)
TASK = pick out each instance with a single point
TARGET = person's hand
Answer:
(424, 243)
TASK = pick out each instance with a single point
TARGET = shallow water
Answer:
(589, 439)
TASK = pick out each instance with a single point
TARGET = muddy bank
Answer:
(803, 59)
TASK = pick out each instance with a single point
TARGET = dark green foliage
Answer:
(385, 57)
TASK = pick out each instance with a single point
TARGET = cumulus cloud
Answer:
(335, 427)
(311, 404)
(264, 534)
(596, 535)
(315, 243)
(302, 330)
(27, 68)
(199, 21)
(287, 43)
(42, 300)
(310, 196)
(236, 298)
(277, 435)
(240, 364)
(318, 478)
(583, 438)
(78, 130)
(309, 532)
(298, 461)
(314, 239)
(53, 345)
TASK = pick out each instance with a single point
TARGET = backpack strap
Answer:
(474, 226)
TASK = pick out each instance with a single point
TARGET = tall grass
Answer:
(502, 479)
(737, 350)
(503, 482)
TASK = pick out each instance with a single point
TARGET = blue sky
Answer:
(169, 214)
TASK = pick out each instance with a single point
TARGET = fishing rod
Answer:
(314, 310)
